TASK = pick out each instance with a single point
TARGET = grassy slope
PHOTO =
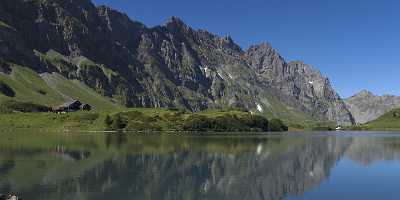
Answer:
(29, 86)
(388, 121)
(51, 89)
(77, 90)
(52, 121)
(164, 119)
(293, 118)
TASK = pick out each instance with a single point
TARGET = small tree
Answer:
(108, 121)
(118, 123)
(6, 90)
(277, 125)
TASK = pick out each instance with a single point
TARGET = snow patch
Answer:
(220, 76)
(206, 70)
(311, 82)
(260, 108)
(259, 149)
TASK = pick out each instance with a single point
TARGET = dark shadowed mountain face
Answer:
(165, 66)
(365, 106)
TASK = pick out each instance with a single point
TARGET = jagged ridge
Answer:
(366, 106)
(164, 66)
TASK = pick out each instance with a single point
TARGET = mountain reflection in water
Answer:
(121, 166)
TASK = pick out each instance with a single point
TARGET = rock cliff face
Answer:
(365, 106)
(298, 84)
(171, 65)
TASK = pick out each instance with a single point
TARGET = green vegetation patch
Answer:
(6, 90)
(277, 125)
(387, 122)
(23, 84)
(178, 120)
(3, 24)
(77, 90)
(15, 106)
(47, 121)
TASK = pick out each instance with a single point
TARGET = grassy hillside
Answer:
(25, 85)
(77, 90)
(388, 121)
(29, 86)
(293, 118)
(49, 89)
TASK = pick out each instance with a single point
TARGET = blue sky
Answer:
(356, 43)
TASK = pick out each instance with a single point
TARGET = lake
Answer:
(289, 166)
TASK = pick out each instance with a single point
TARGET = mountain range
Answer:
(366, 106)
(52, 51)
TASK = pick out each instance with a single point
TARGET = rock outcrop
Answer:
(298, 84)
(365, 106)
(171, 65)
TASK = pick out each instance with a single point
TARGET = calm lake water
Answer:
(276, 167)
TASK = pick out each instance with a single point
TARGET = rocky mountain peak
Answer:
(298, 84)
(171, 65)
(366, 106)
(265, 46)
(364, 93)
(175, 23)
(265, 59)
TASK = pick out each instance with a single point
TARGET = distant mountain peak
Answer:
(264, 46)
(365, 93)
(366, 106)
(174, 20)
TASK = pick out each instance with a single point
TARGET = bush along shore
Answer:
(17, 115)
(208, 121)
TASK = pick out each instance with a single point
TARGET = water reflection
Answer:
(119, 166)
(367, 150)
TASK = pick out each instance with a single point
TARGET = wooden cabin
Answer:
(72, 106)
(86, 107)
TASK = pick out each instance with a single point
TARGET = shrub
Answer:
(257, 121)
(197, 123)
(108, 121)
(42, 92)
(118, 123)
(322, 128)
(226, 122)
(141, 126)
(87, 116)
(277, 125)
(6, 90)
